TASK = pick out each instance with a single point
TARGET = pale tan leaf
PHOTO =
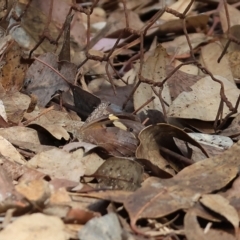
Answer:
(10, 152)
(234, 15)
(36, 226)
(59, 164)
(209, 56)
(203, 101)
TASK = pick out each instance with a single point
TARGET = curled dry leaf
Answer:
(161, 135)
(233, 130)
(221, 205)
(169, 195)
(194, 231)
(55, 122)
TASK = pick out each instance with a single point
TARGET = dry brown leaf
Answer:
(170, 195)
(27, 35)
(154, 69)
(194, 231)
(119, 22)
(10, 198)
(10, 152)
(16, 104)
(179, 46)
(179, 6)
(209, 57)
(234, 15)
(13, 71)
(43, 82)
(36, 191)
(175, 25)
(55, 122)
(117, 134)
(203, 101)
(36, 226)
(20, 172)
(54, 162)
(180, 82)
(161, 135)
(233, 130)
(23, 134)
(119, 173)
(190, 69)
(234, 61)
(221, 205)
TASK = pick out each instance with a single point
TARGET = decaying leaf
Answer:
(119, 173)
(40, 76)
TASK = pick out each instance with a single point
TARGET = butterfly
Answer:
(118, 133)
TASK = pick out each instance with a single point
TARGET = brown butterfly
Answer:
(118, 134)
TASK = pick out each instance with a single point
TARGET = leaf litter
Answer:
(119, 120)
